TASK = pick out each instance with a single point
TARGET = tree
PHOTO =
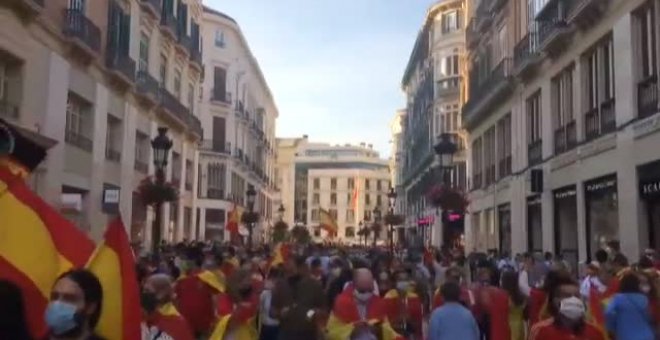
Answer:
(280, 232)
(301, 235)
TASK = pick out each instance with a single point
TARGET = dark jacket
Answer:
(299, 296)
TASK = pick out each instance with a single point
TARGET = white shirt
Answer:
(264, 310)
(523, 283)
(588, 283)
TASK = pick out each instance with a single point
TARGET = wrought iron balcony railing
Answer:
(78, 140)
(147, 85)
(647, 96)
(77, 26)
(120, 63)
(535, 152)
(112, 155)
(526, 52)
(141, 166)
(215, 194)
(221, 96)
(152, 6)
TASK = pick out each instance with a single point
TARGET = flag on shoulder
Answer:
(114, 265)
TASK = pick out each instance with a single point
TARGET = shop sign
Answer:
(110, 203)
(534, 200)
(565, 193)
(649, 189)
(600, 184)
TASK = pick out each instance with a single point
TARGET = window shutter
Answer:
(125, 36)
(113, 27)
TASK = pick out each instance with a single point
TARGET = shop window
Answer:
(565, 228)
(534, 224)
(602, 212)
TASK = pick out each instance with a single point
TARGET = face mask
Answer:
(336, 271)
(149, 301)
(572, 308)
(402, 285)
(645, 288)
(61, 317)
(363, 296)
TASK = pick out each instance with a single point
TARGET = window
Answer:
(189, 175)
(367, 184)
(316, 199)
(219, 39)
(367, 199)
(177, 84)
(489, 155)
(78, 126)
(333, 214)
(367, 215)
(113, 139)
(450, 66)
(216, 179)
(333, 183)
(333, 199)
(350, 232)
(163, 71)
(317, 183)
(477, 163)
(379, 200)
(451, 21)
(191, 97)
(77, 5)
(504, 146)
(563, 120)
(379, 187)
(220, 84)
(350, 215)
(315, 215)
(176, 167)
(534, 141)
(646, 40)
(143, 62)
(351, 183)
(598, 89)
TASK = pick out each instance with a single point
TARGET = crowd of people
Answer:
(288, 292)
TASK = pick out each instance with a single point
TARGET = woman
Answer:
(75, 306)
(628, 316)
(12, 313)
(517, 305)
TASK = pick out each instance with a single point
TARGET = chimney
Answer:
(305, 137)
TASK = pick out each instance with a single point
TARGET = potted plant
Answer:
(151, 192)
(448, 198)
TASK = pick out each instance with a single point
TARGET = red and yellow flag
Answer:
(328, 223)
(114, 265)
(280, 254)
(234, 220)
(169, 320)
(37, 244)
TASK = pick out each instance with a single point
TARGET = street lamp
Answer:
(281, 211)
(161, 146)
(251, 218)
(391, 197)
(376, 225)
(445, 150)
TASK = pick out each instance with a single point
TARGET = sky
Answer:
(334, 66)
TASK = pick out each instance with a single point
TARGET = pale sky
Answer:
(334, 66)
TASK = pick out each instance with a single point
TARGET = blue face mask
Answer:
(60, 317)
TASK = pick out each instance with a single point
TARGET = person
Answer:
(627, 316)
(403, 307)
(359, 312)
(237, 308)
(517, 305)
(385, 283)
(592, 281)
(525, 276)
(567, 312)
(452, 320)
(453, 274)
(340, 275)
(270, 326)
(492, 305)
(160, 314)
(648, 284)
(13, 324)
(75, 306)
(538, 302)
(298, 302)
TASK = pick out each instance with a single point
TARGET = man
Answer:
(298, 302)
(492, 305)
(359, 312)
(160, 312)
(452, 320)
(454, 275)
(237, 308)
(592, 281)
(568, 316)
(526, 274)
(404, 307)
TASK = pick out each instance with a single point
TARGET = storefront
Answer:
(534, 224)
(649, 193)
(565, 224)
(602, 212)
(504, 227)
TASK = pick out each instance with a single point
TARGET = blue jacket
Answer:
(453, 321)
(628, 317)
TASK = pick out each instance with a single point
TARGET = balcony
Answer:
(591, 124)
(505, 166)
(170, 104)
(565, 138)
(79, 141)
(112, 155)
(553, 35)
(487, 93)
(147, 87)
(450, 86)
(81, 32)
(121, 66)
(647, 97)
(196, 57)
(608, 116)
(220, 96)
(535, 152)
(141, 166)
(218, 147)
(485, 16)
(184, 43)
(477, 181)
(472, 37)
(9, 110)
(27, 8)
(168, 24)
(195, 126)
(151, 6)
(585, 13)
(215, 194)
(496, 5)
(526, 56)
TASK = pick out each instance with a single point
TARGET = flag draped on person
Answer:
(280, 254)
(114, 265)
(168, 320)
(328, 223)
(37, 244)
(345, 318)
(234, 219)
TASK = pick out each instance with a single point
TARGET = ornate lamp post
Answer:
(161, 146)
(251, 217)
(376, 226)
(391, 197)
(281, 212)
(445, 150)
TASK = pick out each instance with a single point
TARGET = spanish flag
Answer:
(242, 315)
(37, 244)
(234, 220)
(328, 223)
(168, 319)
(280, 254)
(345, 317)
(114, 265)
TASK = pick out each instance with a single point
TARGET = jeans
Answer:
(269, 332)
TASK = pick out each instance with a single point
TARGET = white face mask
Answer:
(335, 272)
(572, 308)
(402, 286)
(363, 297)
(645, 288)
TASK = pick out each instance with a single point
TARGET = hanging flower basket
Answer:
(394, 219)
(280, 231)
(301, 235)
(152, 192)
(448, 198)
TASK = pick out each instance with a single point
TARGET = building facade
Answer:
(562, 116)
(433, 82)
(98, 78)
(349, 182)
(239, 116)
